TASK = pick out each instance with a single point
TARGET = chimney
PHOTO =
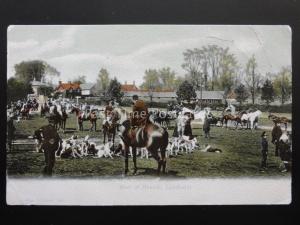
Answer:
(60, 82)
(125, 81)
(133, 83)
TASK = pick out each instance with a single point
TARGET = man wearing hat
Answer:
(139, 112)
(264, 150)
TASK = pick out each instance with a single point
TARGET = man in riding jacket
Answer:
(139, 114)
(49, 141)
(108, 109)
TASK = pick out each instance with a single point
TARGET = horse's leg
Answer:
(104, 135)
(164, 159)
(134, 160)
(126, 158)
(113, 139)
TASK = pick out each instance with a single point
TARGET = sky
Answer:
(126, 51)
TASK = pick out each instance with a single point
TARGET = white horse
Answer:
(251, 118)
(198, 114)
(231, 108)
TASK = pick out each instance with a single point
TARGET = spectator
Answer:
(264, 151)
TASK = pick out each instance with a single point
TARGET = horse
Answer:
(198, 114)
(149, 136)
(50, 142)
(162, 118)
(57, 116)
(82, 117)
(251, 119)
(225, 118)
(44, 109)
(25, 111)
(109, 127)
(277, 119)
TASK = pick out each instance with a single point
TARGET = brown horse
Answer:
(109, 129)
(81, 118)
(25, 112)
(227, 117)
(149, 135)
(49, 141)
(277, 120)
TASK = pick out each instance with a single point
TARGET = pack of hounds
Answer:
(74, 148)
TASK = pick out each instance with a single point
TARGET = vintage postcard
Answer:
(149, 114)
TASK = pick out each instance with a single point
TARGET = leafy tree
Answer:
(46, 91)
(17, 89)
(283, 84)
(178, 81)
(267, 92)
(114, 90)
(103, 80)
(186, 91)
(253, 78)
(80, 79)
(167, 78)
(27, 71)
(152, 81)
(241, 93)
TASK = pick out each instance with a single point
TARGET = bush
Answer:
(126, 102)
(287, 108)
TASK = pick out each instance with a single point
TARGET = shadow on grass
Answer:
(69, 131)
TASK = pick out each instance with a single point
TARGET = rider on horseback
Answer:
(139, 112)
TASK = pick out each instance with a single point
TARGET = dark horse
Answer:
(162, 118)
(230, 117)
(109, 129)
(44, 109)
(49, 141)
(151, 136)
(80, 118)
(58, 120)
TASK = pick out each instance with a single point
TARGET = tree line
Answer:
(207, 68)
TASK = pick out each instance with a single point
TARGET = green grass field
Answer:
(241, 156)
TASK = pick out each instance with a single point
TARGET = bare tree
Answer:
(193, 64)
(253, 78)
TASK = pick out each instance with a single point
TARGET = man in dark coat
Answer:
(50, 143)
(140, 112)
(206, 127)
(10, 132)
(264, 150)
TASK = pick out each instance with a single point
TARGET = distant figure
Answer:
(10, 132)
(206, 127)
(264, 150)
